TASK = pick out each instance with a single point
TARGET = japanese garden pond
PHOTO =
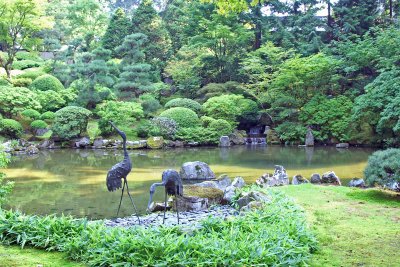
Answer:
(73, 181)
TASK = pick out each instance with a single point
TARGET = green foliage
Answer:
(204, 136)
(31, 114)
(224, 107)
(5, 186)
(149, 103)
(117, 29)
(16, 99)
(21, 82)
(48, 115)
(185, 103)
(4, 82)
(121, 113)
(218, 89)
(206, 121)
(10, 128)
(166, 127)
(51, 100)
(291, 132)
(47, 82)
(220, 126)
(25, 64)
(31, 74)
(70, 122)
(184, 117)
(330, 116)
(24, 55)
(252, 239)
(383, 168)
(39, 124)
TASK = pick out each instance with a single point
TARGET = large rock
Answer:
(238, 137)
(342, 145)
(189, 203)
(330, 178)
(47, 144)
(252, 206)
(357, 182)
(298, 179)
(31, 150)
(158, 206)
(196, 170)
(252, 196)
(229, 194)
(315, 178)
(224, 141)
(213, 195)
(83, 142)
(309, 138)
(220, 183)
(41, 132)
(155, 142)
(99, 143)
(238, 182)
(279, 178)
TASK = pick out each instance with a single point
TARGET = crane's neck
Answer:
(126, 155)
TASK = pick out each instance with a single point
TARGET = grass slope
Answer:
(13, 256)
(354, 227)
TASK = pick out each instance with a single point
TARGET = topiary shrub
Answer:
(21, 82)
(48, 115)
(31, 114)
(24, 55)
(185, 103)
(224, 107)
(47, 82)
(10, 128)
(149, 103)
(51, 100)
(14, 100)
(291, 132)
(31, 74)
(70, 122)
(166, 127)
(383, 168)
(25, 64)
(39, 124)
(146, 129)
(205, 121)
(183, 116)
(222, 127)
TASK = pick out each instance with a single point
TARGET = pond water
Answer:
(73, 181)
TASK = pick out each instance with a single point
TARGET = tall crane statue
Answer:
(172, 182)
(119, 172)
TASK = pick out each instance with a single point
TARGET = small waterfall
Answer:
(256, 136)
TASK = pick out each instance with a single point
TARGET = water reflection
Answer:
(73, 181)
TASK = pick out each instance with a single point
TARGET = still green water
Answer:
(73, 181)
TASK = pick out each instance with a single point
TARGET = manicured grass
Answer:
(354, 227)
(14, 256)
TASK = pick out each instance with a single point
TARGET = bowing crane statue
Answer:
(119, 172)
(172, 182)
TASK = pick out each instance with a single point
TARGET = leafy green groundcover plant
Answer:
(277, 234)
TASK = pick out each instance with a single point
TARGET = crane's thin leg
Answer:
(165, 205)
(176, 205)
(120, 201)
(127, 190)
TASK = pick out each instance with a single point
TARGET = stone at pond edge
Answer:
(229, 193)
(155, 142)
(158, 206)
(252, 196)
(190, 203)
(220, 183)
(196, 170)
(224, 141)
(342, 145)
(47, 144)
(238, 137)
(83, 142)
(31, 150)
(357, 182)
(238, 182)
(213, 195)
(98, 143)
(315, 178)
(298, 179)
(279, 178)
(309, 138)
(330, 178)
(41, 132)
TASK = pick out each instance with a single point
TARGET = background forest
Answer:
(196, 70)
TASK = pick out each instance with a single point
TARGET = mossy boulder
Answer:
(155, 142)
(214, 195)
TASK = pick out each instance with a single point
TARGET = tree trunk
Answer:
(391, 9)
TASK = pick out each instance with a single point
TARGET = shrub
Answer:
(25, 64)
(383, 168)
(291, 132)
(4, 82)
(47, 82)
(224, 107)
(31, 114)
(24, 55)
(220, 126)
(16, 99)
(70, 122)
(203, 136)
(39, 124)
(205, 121)
(248, 111)
(51, 100)
(166, 127)
(149, 103)
(185, 103)
(183, 116)
(121, 113)
(48, 115)
(31, 74)
(10, 128)
(21, 82)
(5, 187)
(146, 129)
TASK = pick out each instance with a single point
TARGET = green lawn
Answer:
(354, 227)
(13, 256)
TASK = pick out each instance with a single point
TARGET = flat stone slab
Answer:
(187, 219)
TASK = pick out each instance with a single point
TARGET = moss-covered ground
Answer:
(355, 227)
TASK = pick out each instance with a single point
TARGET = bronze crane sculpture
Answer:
(119, 172)
(172, 182)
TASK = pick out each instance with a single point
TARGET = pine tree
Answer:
(158, 45)
(137, 76)
(117, 29)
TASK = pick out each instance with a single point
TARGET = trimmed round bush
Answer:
(31, 74)
(14, 100)
(10, 128)
(39, 124)
(48, 115)
(21, 82)
(185, 103)
(184, 117)
(383, 168)
(4, 82)
(47, 82)
(70, 122)
(30, 113)
(221, 126)
(24, 55)
(205, 121)
(25, 64)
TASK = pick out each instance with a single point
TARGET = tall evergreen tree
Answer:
(157, 47)
(117, 29)
(137, 76)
